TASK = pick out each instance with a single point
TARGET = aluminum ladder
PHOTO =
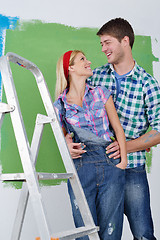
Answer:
(28, 155)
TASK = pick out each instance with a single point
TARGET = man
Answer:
(137, 99)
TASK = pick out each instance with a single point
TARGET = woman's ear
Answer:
(71, 68)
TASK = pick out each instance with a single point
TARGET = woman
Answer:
(88, 112)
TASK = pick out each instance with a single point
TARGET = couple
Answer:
(124, 103)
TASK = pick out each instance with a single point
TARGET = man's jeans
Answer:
(137, 204)
(103, 185)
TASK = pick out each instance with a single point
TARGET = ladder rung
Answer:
(75, 233)
(41, 176)
(6, 108)
(43, 119)
(48, 176)
(12, 177)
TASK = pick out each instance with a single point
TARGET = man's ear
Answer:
(125, 40)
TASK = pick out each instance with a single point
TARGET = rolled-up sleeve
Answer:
(152, 103)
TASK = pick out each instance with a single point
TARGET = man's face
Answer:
(112, 48)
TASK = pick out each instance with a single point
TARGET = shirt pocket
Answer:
(98, 110)
(132, 105)
(72, 116)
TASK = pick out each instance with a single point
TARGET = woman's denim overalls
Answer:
(102, 182)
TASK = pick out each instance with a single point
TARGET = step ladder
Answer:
(28, 155)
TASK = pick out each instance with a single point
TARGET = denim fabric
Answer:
(137, 204)
(103, 185)
(88, 137)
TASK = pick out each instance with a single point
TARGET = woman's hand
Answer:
(75, 149)
(113, 147)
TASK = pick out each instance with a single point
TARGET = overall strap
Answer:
(68, 127)
(64, 117)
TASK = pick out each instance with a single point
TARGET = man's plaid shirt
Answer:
(137, 104)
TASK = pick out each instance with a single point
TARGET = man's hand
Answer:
(113, 147)
(75, 149)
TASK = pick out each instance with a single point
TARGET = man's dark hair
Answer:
(118, 28)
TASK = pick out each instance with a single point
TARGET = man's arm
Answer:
(151, 91)
(151, 138)
(144, 142)
(147, 140)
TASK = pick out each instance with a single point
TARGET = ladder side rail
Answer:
(1, 119)
(46, 98)
(68, 162)
(24, 196)
(24, 150)
(55, 125)
(13, 57)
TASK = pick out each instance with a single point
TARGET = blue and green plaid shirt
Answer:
(137, 104)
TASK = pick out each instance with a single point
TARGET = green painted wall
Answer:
(43, 44)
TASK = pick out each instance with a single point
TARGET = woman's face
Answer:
(81, 66)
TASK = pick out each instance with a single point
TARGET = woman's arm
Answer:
(120, 136)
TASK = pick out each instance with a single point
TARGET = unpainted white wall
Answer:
(144, 17)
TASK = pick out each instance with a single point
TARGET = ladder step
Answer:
(76, 233)
(41, 176)
(38, 238)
